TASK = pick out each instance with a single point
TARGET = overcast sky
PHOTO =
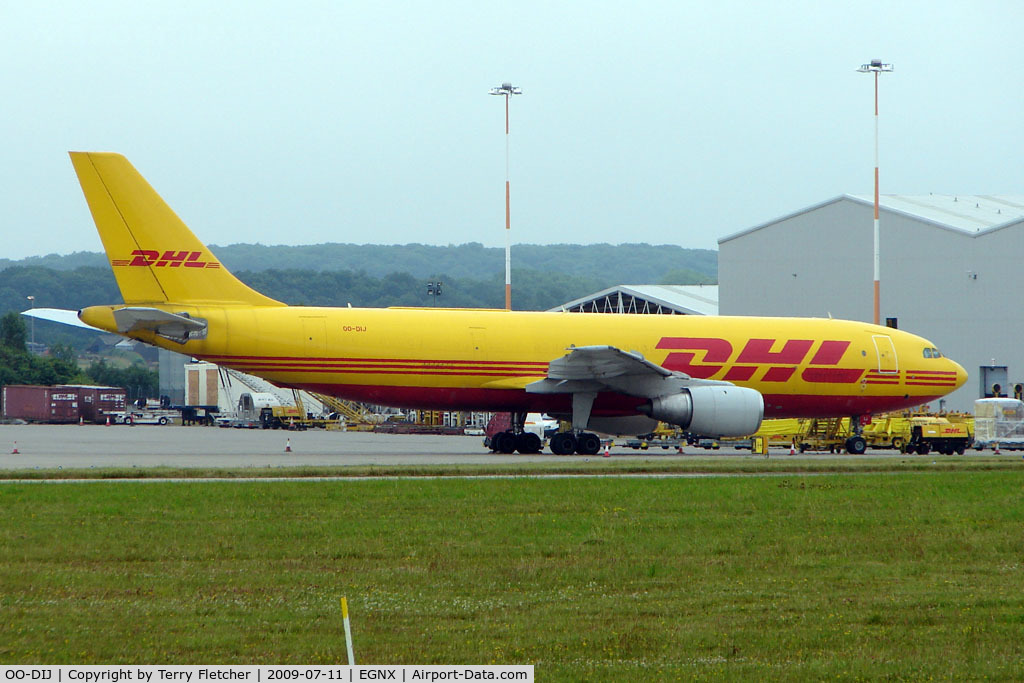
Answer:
(369, 122)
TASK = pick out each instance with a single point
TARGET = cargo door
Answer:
(887, 362)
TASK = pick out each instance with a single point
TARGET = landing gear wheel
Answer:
(588, 444)
(504, 442)
(856, 445)
(563, 443)
(528, 443)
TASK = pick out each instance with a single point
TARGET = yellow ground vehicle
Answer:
(939, 434)
(282, 417)
(828, 434)
(922, 434)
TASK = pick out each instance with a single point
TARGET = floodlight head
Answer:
(875, 65)
(506, 89)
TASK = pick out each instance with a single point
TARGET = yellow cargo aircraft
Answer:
(617, 374)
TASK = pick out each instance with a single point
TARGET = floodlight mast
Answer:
(507, 89)
(876, 67)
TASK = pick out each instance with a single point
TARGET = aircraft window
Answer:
(927, 353)
(932, 353)
(936, 353)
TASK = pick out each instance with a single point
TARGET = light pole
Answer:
(507, 89)
(32, 318)
(876, 67)
(434, 289)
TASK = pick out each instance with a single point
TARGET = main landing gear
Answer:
(516, 439)
(567, 443)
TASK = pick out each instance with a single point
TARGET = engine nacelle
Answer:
(713, 410)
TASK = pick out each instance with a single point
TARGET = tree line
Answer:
(613, 264)
(86, 286)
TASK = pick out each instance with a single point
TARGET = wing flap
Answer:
(592, 369)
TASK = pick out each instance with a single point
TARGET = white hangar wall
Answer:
(950, 272)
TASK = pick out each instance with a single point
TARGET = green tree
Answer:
(136, 380)
(13, 333)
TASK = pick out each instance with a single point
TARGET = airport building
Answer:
(949, 266)
(648, 299)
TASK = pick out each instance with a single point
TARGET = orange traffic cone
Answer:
(15, 451)
(792, 449)
(606, 449)
(997, 448)
(288, 446)
(679, 450)
(108, 420)
(81, 420)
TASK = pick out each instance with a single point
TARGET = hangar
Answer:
(656, 299)
(949, 265)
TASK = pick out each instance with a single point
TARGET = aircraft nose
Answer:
(961, 374)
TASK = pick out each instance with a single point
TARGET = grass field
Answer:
(905, 576)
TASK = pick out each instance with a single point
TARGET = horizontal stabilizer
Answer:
(60, 315)
(173, 326)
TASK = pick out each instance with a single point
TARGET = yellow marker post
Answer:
(348, 632)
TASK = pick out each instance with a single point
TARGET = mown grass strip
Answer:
(866, 576)
(618, 465)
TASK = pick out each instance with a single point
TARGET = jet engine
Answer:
(712, 410)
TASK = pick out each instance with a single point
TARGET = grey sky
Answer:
(370, 122)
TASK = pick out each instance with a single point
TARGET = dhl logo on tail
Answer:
(169, 259)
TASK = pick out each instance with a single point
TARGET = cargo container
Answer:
(61, 404)
(39, 404)
(26, 402)
(96, 402)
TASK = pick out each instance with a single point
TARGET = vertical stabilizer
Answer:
(154, 255)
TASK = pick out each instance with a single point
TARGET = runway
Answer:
(89, 446)
(146, 446)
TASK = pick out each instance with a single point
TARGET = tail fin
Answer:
(155, 257)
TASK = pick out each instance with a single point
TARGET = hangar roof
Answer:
(664, 299)
(972, 214)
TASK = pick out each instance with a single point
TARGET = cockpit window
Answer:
(932, 353)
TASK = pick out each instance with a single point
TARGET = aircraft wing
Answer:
(607, 368)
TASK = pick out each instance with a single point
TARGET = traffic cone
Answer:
(606, 449)
(81, 420)
(288, 446)
(997, 448)
(792, 449)
(15, 451)
(108, 420)
(679, 450)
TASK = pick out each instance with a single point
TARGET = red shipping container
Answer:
(95, 402)
(26, 402)
(40, 404)
(63, 405)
